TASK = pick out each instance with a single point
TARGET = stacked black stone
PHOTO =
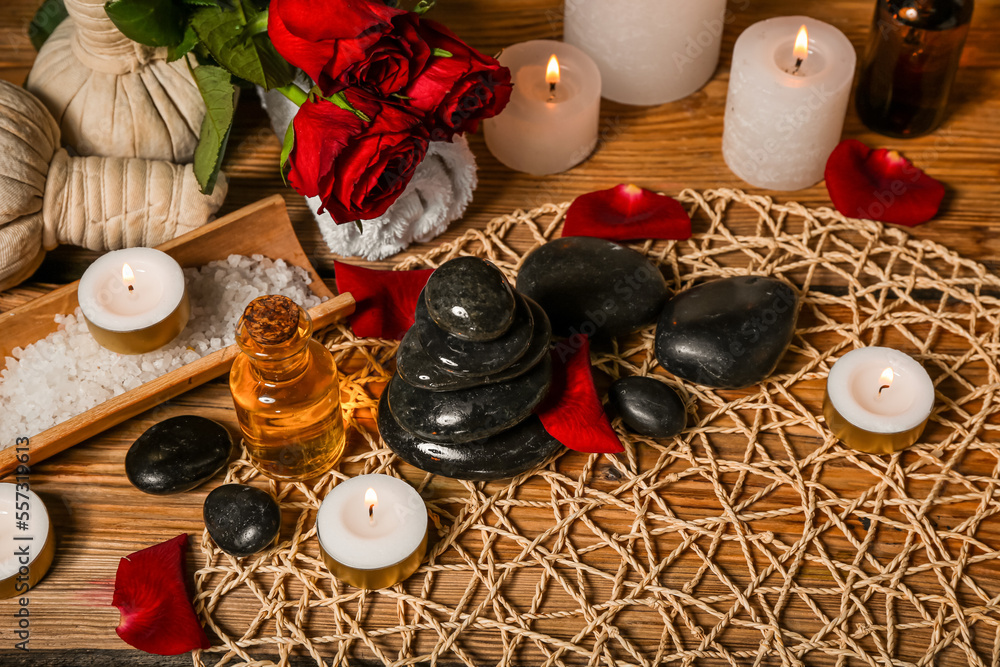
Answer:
(469, 374)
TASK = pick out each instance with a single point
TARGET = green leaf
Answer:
(286, 148)
(149, 22)
(180, 50)
(442, 53)
(47, 18)
(341, 101)
(424, 6)
(361, 228)
(233, 38)
(201, 3)
(220, 95)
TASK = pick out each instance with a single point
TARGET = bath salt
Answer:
(67, 372)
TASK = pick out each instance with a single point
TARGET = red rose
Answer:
(387, 66)
(358, 168)
(325, 38)
(457, 91)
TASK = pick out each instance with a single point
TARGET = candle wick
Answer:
(371, 515)
(131, 288)
(798, 64)
(885, 386)
(552, 91)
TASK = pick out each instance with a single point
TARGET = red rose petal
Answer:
(880, 185)
(152, 596)
(385, 299)
(572, 413)
(627, 213)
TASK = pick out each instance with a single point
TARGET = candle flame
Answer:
(371, 499)
(885, 380)
(552, 75)
(128, 277)
(802, 44)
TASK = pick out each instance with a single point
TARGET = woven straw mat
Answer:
(754, 538)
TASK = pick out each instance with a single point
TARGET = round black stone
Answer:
(648, 406)
(418, 368)
(465, 357)
(506, 454)
(592, 286)
(242, 519)
(470, 298)
(177, 455)
(468, 414)
(729, 333)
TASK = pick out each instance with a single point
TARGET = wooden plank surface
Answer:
(100, 517)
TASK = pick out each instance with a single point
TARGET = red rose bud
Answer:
(627, 213)
(358, 168)
(323, 39)
(572, 412)
(151, 594)
(880, 185)
(459, 87)
(385, 299)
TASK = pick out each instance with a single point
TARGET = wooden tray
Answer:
(261, 228)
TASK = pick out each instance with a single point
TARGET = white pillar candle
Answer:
(134, 300)
(372, 531)
(878, 400)
(782, 121)
(27, 544)
(546, 128)
(648, 51)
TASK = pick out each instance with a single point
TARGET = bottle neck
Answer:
(282, 370)
(282, 362)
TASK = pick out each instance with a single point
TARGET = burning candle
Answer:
(134, 300)
(648, 51)
(551, 121)
(372, 531)
(27, 543)
(878, 400)
(788, 92)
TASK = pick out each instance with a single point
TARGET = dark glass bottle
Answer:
(910, 63)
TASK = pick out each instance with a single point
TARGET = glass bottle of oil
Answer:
(286, 390)
(906, 74)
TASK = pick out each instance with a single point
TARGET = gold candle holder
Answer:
(139, 341)
(382, 577)
(28, 552)
(878, 400)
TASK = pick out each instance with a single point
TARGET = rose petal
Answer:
(385, 299)
(880, 185)
(152, 596)
(572, 413)
(627, 213)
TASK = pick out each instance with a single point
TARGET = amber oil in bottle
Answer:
(913, 54)
(286, 389)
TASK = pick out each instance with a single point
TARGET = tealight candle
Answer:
(27, 543)
(878, 400)
(648, 51)
(788, 91)
(552, 119)
(372, 531)
(134, 300)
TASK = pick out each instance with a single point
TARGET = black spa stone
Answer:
(468, 414)
(177, 455)
(418, 368)
(648, 407)
(242, 519)
(592, 286)
(470, 298)
(466, 357)
(506, 454)
(728, 333)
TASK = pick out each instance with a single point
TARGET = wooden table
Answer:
(100, 517)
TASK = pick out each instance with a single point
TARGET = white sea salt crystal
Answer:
(67, 372)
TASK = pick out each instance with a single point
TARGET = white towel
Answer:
(438, 193)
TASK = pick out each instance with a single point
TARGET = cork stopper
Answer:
(271, 320)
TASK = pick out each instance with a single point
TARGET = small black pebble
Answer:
(648, 407)
(177, 455)
(241, 519)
